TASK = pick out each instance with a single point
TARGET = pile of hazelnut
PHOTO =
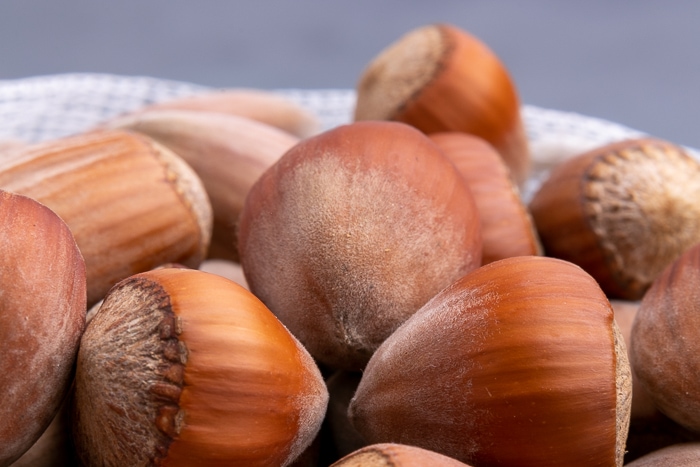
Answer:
(215, 281)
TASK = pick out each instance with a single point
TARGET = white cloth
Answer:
(46, 107)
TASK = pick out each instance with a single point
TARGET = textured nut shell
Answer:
(623, 212)
(396, 455)
(679, 455)
(42, 315)
(184, 367)
(517, 363)
(263, 106)
(130, 203)
(664, 349)
(440, 78)
(507, 229)
(228, 153)
(351, 231)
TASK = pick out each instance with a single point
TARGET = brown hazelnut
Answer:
(183, 367)
(517, 363)
(42, 316)
(130, 203)
(622, 212)
(441, 78)
(507, 228)
(396, 455)
(664, 352)
(228, 153)
(352, 231)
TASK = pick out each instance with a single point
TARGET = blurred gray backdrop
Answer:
(633, 62)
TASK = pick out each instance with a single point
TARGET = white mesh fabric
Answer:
(45, 107)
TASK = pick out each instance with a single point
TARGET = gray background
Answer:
(633, 62)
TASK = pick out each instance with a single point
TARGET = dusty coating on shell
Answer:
(399, 72)
(678, 455)
(396, 455)
(642, 203)
(129, 378)
(191, 191)
(623, 388)
(351, 246)
(42, 316)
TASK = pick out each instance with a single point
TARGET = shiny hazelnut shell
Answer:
(352, 231)
(622, 212)
(507, 228)
(441, 78)
(42, 316)
(227, 152)
(183, 367)
(130, 203)
(517, 363)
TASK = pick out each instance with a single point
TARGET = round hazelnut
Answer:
(622, 212)
(352, 231)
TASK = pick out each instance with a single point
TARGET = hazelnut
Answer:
(441, 78)
(130, 203)
(664, 352)
(507, 228)
(352, 231)
(517, 363)
(183, 367)
(266, 107)
(622, 212)
(228, 153)
(42, 316)
(396, 455)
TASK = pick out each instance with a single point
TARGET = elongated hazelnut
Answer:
(396, 455)
(264, 106)
(130, 203)
(441, 78)
(352, 231)
(507, 228)
(42, 316)
(664, 351)
(623, 212)
(181, 367)
(228, 153)
(678, 455)
(517, 363)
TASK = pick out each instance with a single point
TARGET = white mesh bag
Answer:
(45, 107)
